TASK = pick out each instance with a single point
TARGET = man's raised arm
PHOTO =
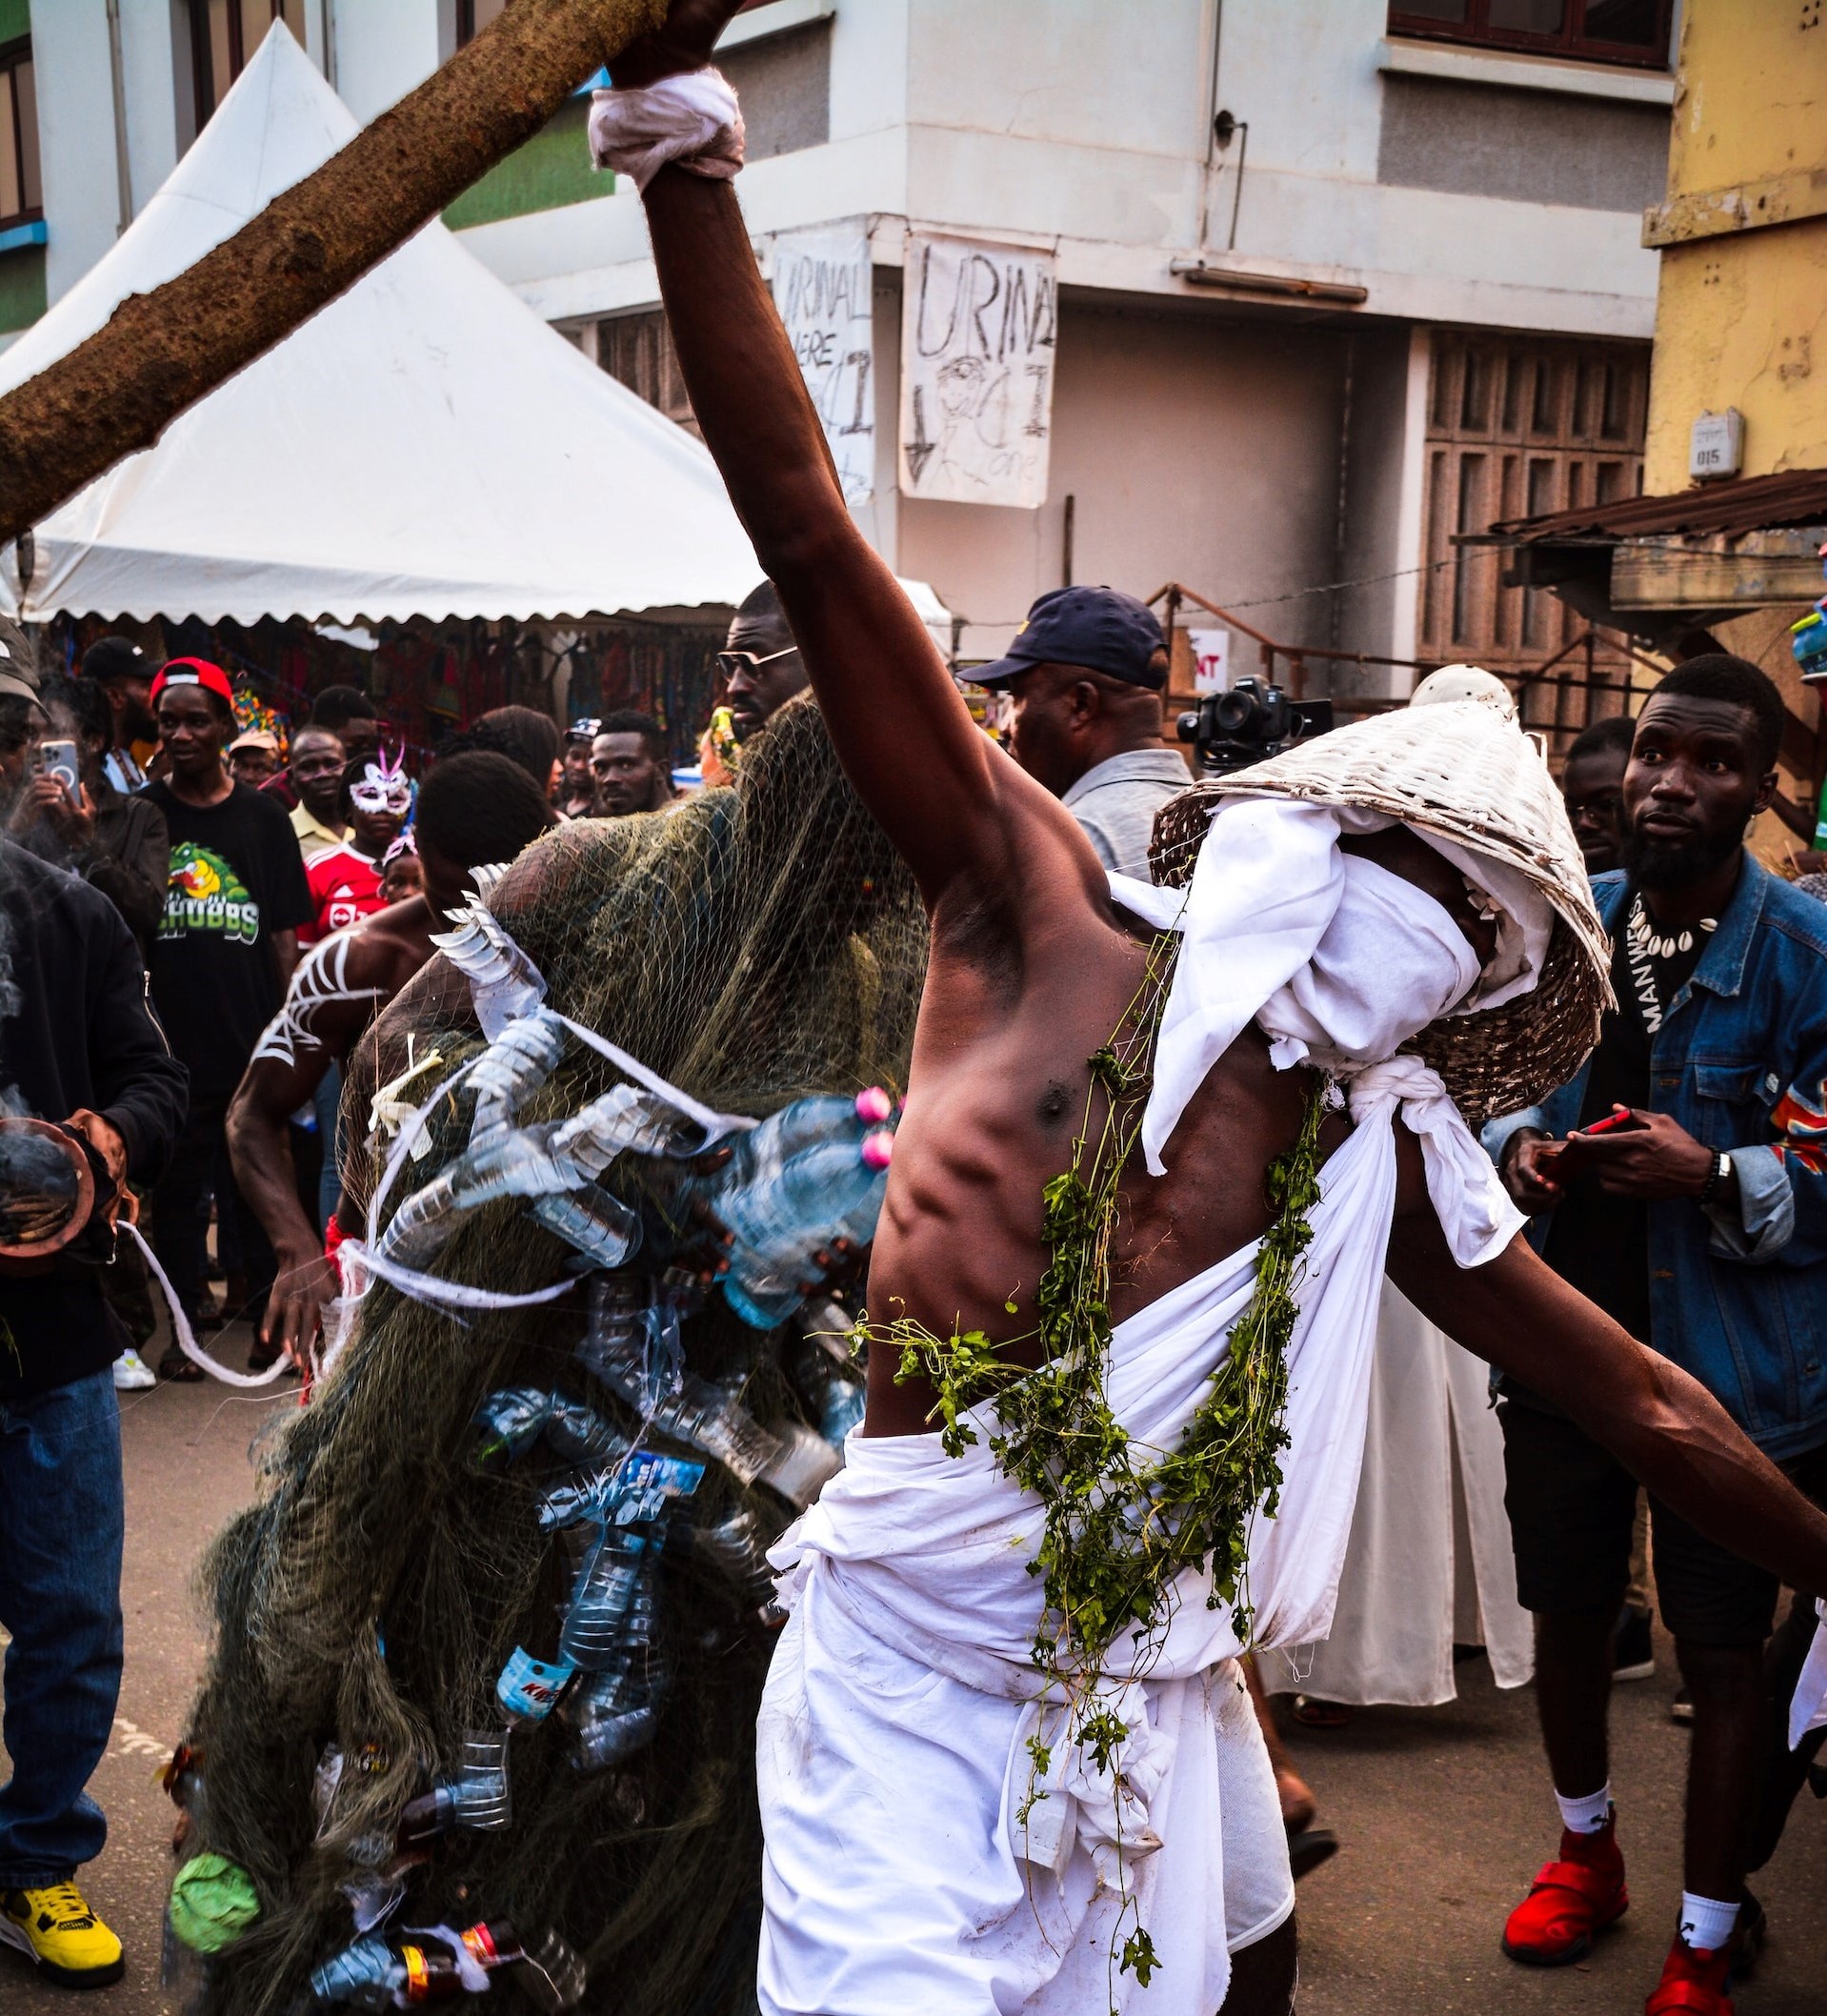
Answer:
(901, 729)
(1665, 1428)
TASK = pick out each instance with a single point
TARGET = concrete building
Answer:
(1723, 549)
(1337, 279)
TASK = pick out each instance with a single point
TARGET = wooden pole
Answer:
(158, 354)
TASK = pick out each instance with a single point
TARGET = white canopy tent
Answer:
(424, 447)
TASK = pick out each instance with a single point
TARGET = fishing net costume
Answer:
(417, 1529)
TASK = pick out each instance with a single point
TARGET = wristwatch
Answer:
(1722, 1169)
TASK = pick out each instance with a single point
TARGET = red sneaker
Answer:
(1570, 1901)
(1692, 1983)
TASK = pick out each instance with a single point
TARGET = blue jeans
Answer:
(61, 1520)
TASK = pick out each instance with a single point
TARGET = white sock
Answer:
(1588, 1815)
(1706, 1923)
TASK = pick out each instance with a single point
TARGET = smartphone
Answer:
(1613, 1123)
(59, 761)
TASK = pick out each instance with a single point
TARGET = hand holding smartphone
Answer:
(1569, 1159)
(61, 759)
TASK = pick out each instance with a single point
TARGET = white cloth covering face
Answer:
(1336, 959)
(693, 119)
(900, 1870)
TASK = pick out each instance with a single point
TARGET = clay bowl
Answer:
(47, 1189)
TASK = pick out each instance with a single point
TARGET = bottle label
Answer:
(529, 1687)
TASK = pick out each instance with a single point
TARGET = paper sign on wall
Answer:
(1210, 660)
(979, 326)
(823, 288)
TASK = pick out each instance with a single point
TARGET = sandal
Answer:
(1308, 1848)
(1312, 1713)
(176, 1370)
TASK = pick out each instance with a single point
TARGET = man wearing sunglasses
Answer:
(761, 665)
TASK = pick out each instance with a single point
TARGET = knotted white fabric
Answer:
(693, 119)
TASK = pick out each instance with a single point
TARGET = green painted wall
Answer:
(550, 171)
(22, 287)
(15, 19)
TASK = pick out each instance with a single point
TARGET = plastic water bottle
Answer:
(810, 1175)
(528, 1689)
(609, 1567)
(476, 1799)
(507, 1424)
(613, 1713)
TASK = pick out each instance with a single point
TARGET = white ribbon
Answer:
(187, 1338)
(693, 119)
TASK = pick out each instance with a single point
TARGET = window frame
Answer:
(14, 55)
(204, 93)
(1571, 42)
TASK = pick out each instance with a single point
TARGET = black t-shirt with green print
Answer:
(236, 878)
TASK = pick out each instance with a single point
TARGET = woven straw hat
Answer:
(1459, 768)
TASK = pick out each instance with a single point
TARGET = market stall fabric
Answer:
(426, 446)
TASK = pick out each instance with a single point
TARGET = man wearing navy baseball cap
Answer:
(1086, 671)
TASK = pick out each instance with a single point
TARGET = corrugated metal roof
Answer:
(1797, 497)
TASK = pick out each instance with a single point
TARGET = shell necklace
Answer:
(1642, 943)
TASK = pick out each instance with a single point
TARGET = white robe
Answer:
(912, 1860)
(1429, 1562)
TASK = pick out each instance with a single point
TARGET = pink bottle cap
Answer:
(878, 1148)
(875, 1105)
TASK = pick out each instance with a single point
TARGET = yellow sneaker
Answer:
(55, 1926)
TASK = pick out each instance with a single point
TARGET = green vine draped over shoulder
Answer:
(1123, 1520)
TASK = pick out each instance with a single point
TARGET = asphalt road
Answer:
(1445, 1813)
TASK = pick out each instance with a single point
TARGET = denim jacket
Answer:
(1739, 1294)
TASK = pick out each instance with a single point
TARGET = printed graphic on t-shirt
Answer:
(205, 894)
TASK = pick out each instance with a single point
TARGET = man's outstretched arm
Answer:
(1664, 1427)
(932, 778)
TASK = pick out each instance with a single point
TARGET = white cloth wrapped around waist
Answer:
(933, 1551)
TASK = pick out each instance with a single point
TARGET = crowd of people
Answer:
(1249, 1016)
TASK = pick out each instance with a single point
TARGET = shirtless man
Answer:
(474, 809)
(1033, 967)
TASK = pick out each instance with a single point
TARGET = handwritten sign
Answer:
(823, 290)
(1210, 660)
(979, 328)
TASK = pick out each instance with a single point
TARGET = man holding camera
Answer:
(79, 1046)
(1085, 674)
(1680, 1182)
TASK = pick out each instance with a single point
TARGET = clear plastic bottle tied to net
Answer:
(808, 1176)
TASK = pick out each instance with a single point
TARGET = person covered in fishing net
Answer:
(1124, 1291)
(489, 1646)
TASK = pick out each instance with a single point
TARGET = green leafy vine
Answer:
(1123, 1520)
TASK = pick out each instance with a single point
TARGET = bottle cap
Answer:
(875, 1105)
(878, 1148)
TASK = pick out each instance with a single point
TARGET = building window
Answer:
(1633, 31)
(636, 350)
(22, 195)
(224, 35)
(473, 16)
(1517, 427)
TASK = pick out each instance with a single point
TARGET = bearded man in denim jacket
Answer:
(1698, 1218)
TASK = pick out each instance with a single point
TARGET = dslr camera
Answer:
(1252, 722)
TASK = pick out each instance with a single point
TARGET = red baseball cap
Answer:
(194, 672)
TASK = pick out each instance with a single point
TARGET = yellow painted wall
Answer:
(1742, 317)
